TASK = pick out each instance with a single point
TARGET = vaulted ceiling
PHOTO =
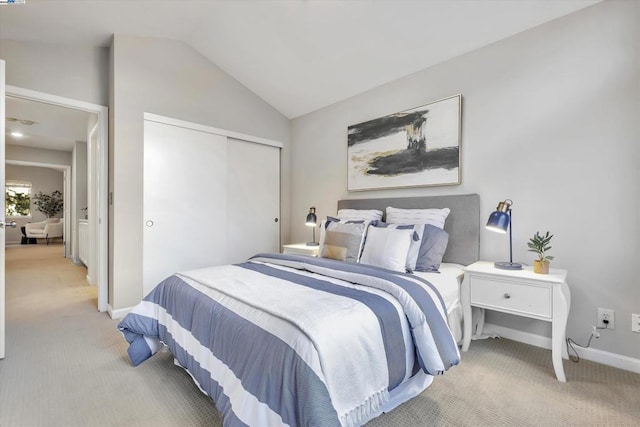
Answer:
(298, 55)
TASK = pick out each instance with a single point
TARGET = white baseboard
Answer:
(592, 354)
(118, 314)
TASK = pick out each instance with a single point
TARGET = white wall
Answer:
(75, 72)
(168, 78)
(550, 120)
(42, 179)
(38, 155)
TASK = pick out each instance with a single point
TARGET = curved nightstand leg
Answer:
(466, 313)
(561, 299)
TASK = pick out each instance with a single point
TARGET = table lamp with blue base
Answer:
(499, 221)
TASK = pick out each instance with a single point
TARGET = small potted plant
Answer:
(540, 245)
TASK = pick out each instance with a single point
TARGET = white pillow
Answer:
(434, 217)
(359, 214)
(387, 248)
(414, 247)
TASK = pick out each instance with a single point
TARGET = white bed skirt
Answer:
(455, 321)
(404, 392)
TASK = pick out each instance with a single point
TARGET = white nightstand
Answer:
(300, 249)
(520, 292)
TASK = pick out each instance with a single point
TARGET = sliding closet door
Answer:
(253, 199)
(185, 201)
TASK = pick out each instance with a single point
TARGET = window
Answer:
(18, 199)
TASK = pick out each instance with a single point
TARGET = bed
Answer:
(325, 342)
(463, 226)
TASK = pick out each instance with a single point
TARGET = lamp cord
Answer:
(570, 343)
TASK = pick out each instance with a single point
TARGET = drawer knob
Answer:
(507, 295)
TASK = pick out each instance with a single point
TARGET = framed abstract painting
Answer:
(412, 148)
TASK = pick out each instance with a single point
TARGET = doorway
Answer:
(39, 176)
(97, 182)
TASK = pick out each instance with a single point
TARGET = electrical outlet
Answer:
(606, 314)
(635, 322)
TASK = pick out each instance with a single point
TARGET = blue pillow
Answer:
(433, 245)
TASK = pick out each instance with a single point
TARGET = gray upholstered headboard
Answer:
(462, 224)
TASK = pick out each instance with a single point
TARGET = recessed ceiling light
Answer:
(17, 134)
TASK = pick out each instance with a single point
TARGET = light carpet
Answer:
(66, 365)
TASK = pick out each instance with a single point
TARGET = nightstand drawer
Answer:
(518, 298)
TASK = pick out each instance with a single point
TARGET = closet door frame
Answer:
(210, 129)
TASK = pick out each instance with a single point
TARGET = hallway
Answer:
(66, 363)
(40, 276)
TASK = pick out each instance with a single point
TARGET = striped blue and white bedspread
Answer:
(295, 340)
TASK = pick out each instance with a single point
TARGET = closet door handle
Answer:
(11, 224)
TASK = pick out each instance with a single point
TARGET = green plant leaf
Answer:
(539, 244)
(48, 204)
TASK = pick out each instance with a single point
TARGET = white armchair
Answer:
(47, 229)
(35, 230)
